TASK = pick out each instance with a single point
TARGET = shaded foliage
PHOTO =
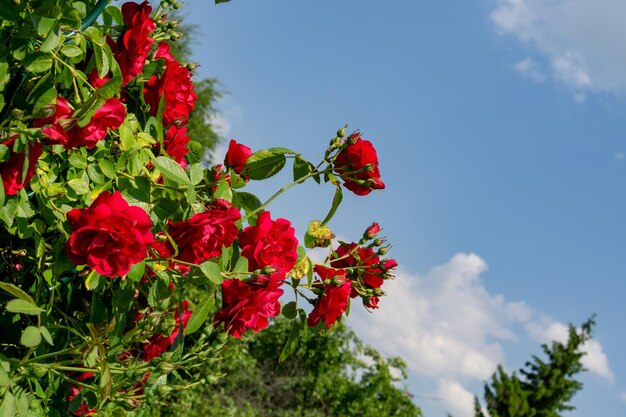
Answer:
(329, 375)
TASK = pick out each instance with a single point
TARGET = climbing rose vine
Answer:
(127, 263)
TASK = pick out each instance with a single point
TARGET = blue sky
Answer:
(500, 131)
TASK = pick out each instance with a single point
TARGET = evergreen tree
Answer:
(543, 387)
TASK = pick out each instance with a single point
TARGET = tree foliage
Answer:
(543, 388)
(329, 375)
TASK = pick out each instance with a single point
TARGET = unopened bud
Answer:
(175, 36)
(383, 250)
(268, 270)
(372, 231)
(388, 264)
(341, 132)
(163, 390)
(354, 138)
(378, 242)
(17, 114)
(166, 367)
(327, 282)
(191, 67)
(335, 142)
(369, 167)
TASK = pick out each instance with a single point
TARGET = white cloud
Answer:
(580, 40)
(529, 69)
(451, 330)
(221, 124)
(618, 156)
(443, 324)
(459, 401)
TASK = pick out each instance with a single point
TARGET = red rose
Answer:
(55, 125)
(163, 52)
(160, 343)
(109, 236)
(133, 47)
(237, 156)
(357, 164)
(270, 243)
(204, 235)
(248, 305)
(175, 144)
(95, 80)
(363, 258)
(12, 169)
(110, 116)
(176, 86)
(334, 301)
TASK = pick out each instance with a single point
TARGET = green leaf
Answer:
(17, 292)
(31, 337)
(5, 380)
(102, 60)
(115, 13)
(79, 186)
(221, 1)
(241, 265)
(52, 40)
(123, 299)
(280, 150)
(336, 202)
(71, 51)
(22, 405)
(264, 164)
(9, 211)
(42, 24)
(171, 170)
(301, 168)
(43, 93)
(223, 191)
(92, 281)
(78, 161)
(136, 271)
(111, 87)
(8, 407)
(18, 305)
(107, 167)
(38, 62)
(46, 335)
(290, 310)
(292, 341)
(196, 173)
(212, 271)
(247, 201)
(199, 315)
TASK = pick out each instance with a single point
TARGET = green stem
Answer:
(93, 14)
(49, 355)
(282, 190)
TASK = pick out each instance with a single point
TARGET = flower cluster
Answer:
(357, 164)
(61, 129)
(128, 257)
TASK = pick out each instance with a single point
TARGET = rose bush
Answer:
(126, 261)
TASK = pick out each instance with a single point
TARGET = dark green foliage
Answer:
(200, 128)
(544, 387)
(330, 375)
